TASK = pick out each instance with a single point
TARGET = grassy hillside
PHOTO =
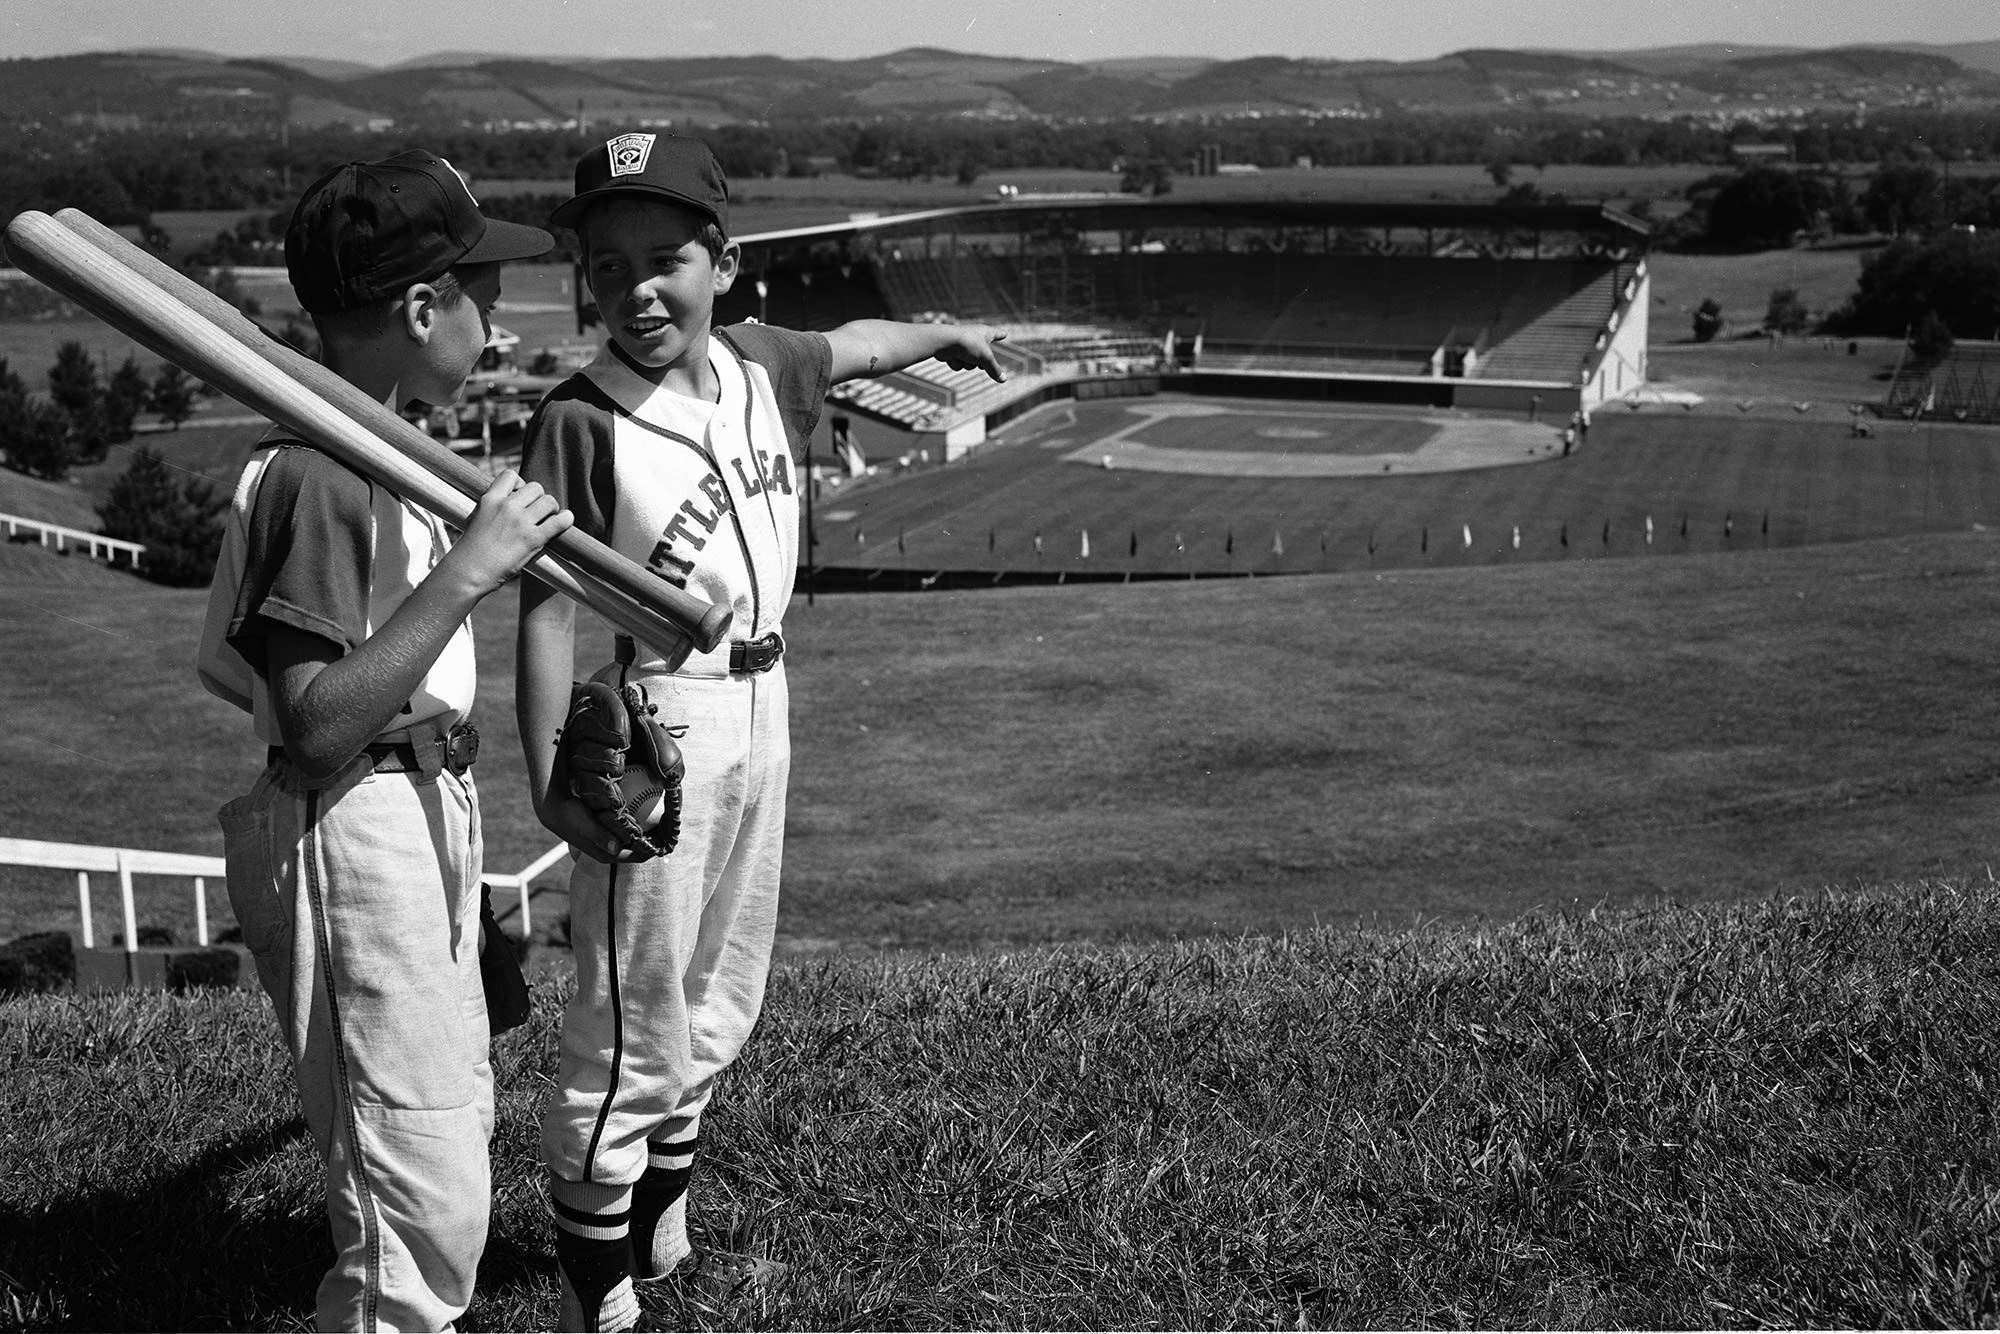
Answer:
(1147, 761)
(1772, 1114)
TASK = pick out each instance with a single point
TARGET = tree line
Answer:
(76, 423)
(122, 178)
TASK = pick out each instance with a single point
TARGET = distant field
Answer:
(772, 204)
(1743, 284)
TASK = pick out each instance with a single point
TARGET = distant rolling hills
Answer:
(188, 88)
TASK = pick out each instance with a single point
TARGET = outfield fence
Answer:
(85, 859)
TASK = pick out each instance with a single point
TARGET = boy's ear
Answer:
(418, 311)
(726, 265)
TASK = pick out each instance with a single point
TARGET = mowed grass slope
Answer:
(1777, 1113)
(1107, 762)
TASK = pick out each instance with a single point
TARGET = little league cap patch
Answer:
(663, 166)
(628, 153)
(365, 231)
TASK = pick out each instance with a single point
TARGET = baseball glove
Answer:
(619, 760)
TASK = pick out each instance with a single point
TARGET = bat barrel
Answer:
(136, 294)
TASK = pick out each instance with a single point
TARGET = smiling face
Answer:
(654, 280)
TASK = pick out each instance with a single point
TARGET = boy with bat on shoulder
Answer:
(337, 620)
(680, 447)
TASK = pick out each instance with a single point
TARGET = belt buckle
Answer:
(762, 654)
(461, 748)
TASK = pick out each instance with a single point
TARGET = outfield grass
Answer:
(1778, 1113)
(1741, 480)
(1137, 762)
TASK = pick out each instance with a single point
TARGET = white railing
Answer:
(128, 862)
(64, 538)
(520, 880)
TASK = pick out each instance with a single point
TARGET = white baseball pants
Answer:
(672, 954)
(360, 902)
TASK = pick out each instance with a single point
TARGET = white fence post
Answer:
(201, 912)
(83, 909)
(131, 917)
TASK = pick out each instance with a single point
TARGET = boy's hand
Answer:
(514, 520)
(577, 825)
(971, 349)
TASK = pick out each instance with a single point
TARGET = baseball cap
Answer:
(664, 166)
(365, 231)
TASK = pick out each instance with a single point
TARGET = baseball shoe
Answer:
(721, 1277)
(618, 1309)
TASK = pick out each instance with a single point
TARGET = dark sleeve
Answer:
(307, 561)
(801, 370)
(567, 449)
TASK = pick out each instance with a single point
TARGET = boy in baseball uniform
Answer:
(679, 446)
(337, 620)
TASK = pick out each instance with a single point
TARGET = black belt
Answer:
(455, 752)
(746, 656)
(756, 655)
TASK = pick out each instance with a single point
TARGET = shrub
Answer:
(42, 962)
(1956, 276)
(37, 437)
(1931, 340)
(172, 395)
(1764, 207)
(1786, 313)
(77, 392)
(1707, 320)
(123, 398)
(179, 521)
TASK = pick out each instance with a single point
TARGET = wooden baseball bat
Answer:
(130, 291)
(703, 622)
(60, 259)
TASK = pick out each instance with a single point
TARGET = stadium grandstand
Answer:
(1437, 305)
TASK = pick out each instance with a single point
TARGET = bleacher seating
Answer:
(966, 287)
(1387, 315)
(1555, 341)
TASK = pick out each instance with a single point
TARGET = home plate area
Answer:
(1208, 439)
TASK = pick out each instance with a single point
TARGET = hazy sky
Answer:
(387, 31)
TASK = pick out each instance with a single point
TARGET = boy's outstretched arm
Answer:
(863, 348)
(330, 704)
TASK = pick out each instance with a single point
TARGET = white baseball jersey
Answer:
(705, 495)
(311, 544)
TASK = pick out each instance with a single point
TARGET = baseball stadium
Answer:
(1253, 388)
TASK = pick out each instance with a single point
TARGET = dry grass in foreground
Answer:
(1769, 1113)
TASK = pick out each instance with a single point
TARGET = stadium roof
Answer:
(1138, 213)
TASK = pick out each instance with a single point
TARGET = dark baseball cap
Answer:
(660, 166)
(365, 231)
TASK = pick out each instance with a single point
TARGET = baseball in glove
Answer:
(620, 761)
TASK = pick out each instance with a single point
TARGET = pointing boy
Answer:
(679, 446)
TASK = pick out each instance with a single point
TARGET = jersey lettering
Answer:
(778, 468)
(670, 567)
(750, 488)
(663, 560)
(717, 492)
